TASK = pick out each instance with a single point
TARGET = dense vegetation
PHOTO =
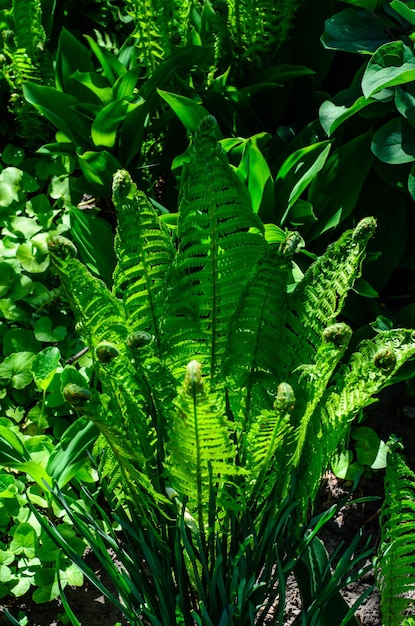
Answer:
(206, 256)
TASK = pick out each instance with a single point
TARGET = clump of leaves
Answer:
(222, 395)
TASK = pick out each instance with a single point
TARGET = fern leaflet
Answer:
(395, 564)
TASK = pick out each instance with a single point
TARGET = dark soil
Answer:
(394, 413)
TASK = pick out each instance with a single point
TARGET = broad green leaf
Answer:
(10, 185)
(392, 64)
(96, 83)
(12, 155)
(369, 5)
(24, 226)
(45, 332)
(6, 557)
(105, 126)
(411, 182)
(370, 449)
(21, 586)
(405, 102)
(302, 212)
(24, 541)
(22, 287)
(7, 487)
(363, 288)
(354, 30)
(189, 112)
(58, 108)
(405, 10)
(256, 173)
(296, 173)
(341, 462)
(274, 234)
(132, 132)
(74, 575)
(5, 574)
(16, 369)
(48, 587)
(44, 367)
(394, 142)
(335, 191)
(98, 168)
(33, 256)
(125, 85)
(10, 311)
(112, 68)
(332, 116)
(63, 147)
(71, 56)
(343, 466)
(95, 242)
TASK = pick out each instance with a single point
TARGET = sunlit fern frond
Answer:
(100, 314)
(267, 446)
(145, 252)
(220, 240)
(355, 383)
(200, 451)
(312, 382)
(119, 464)
(256, 328)
(104, 326)
(318, 298)
(395, 562)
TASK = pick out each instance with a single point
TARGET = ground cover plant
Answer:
(221, 401)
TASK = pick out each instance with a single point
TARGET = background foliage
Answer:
(319, 133)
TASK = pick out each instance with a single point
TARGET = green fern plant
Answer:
(395, 564)
(220, 394)
(236, 29)
(26, 59)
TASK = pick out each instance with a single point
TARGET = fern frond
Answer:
(119, 464)
(105, 329)
(145, 253)
(255, 330)
(199, 445)
(28, 30)
(318, 298)
(395, 564)
(259, 28)
(268, 446)
(368, 370)
(220, 240)
(100, 314)
(313, 380)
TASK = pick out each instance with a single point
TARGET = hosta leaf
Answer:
(392, 64)
(394, 142)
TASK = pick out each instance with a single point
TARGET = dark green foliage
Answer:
(238, 30)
